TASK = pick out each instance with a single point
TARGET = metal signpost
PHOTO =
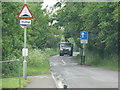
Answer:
(24, 54)
(83, 40)
(24, 15)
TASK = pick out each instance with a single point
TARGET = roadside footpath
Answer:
(41, 81)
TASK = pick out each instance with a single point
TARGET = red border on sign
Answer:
(25, 17)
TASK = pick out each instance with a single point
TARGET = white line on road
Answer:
(63, 62)
(38, 76)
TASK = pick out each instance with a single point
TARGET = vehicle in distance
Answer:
(66, 48)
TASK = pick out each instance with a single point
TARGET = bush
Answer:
(95, 58)
(51, 52)
(102, 60)
(37, 63)
(37, 57)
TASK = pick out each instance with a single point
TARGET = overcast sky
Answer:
(49, 3)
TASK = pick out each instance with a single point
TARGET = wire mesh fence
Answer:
(11, 71)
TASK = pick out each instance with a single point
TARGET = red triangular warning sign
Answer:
(25, 13)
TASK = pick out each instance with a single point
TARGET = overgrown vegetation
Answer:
(38, 61)
(100, 20)
(96, 59)
(41, 38)
(37, 64)
(40, 35)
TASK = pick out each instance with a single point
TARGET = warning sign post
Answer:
(25, 14)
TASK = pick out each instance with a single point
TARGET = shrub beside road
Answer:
(94, 59)
(37, 62)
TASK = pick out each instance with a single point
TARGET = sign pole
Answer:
(83, 49)
(83, 54)
(25, 62)
(84, 40)
(24, 15)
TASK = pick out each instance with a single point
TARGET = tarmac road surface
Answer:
(81, 76)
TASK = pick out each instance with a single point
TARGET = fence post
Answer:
(19, 73)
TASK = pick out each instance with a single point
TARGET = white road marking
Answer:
(98, 79)
(63, 62)
(37, 76)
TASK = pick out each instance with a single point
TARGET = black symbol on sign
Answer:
(25, 15)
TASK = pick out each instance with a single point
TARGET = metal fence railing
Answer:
(18, 71)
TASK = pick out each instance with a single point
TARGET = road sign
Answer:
(25, 13)
(84, 41)
(24, 52)
(84, 35)
(25, 22)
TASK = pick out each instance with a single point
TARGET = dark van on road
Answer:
(66, 48)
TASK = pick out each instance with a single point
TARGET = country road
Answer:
(81, 76)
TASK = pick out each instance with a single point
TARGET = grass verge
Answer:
(37, 64)
(94, 59)
(38, 61)
(13, 83)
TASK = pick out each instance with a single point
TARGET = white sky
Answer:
(49, 3)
